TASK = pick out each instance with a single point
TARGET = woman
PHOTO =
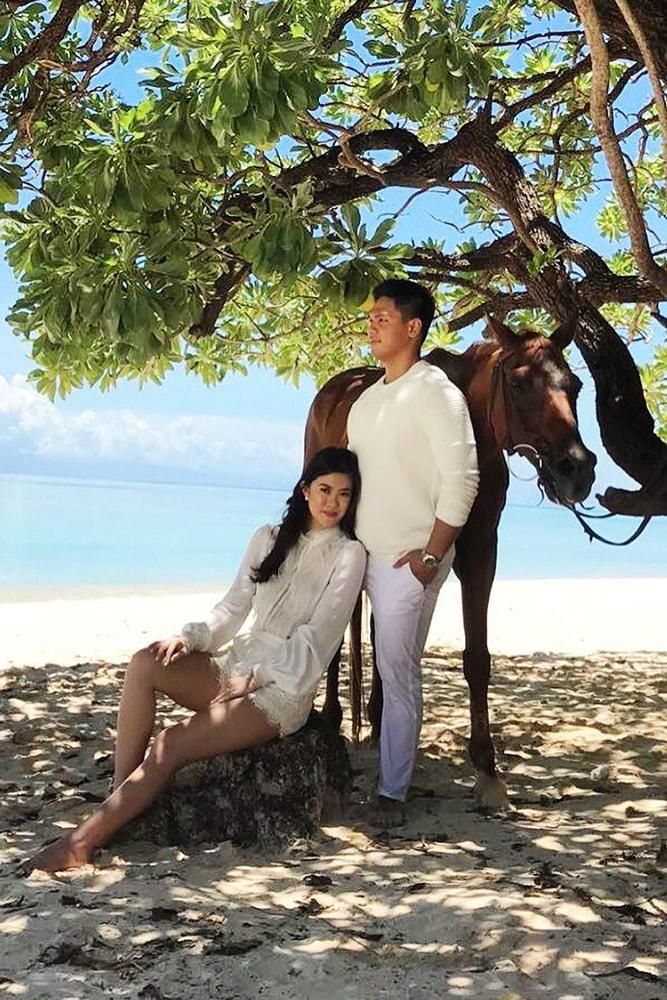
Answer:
(301, 579)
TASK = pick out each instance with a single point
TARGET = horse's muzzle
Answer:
(567, 477)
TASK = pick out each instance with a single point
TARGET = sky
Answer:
(247, 430)
(244, 431)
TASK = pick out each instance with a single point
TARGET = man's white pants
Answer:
(402, 610)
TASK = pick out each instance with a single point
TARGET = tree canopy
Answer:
(242, 210)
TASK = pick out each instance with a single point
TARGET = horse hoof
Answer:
(491, 793)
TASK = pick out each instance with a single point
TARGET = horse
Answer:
(522, 397)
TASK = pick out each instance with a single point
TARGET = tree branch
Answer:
(225, 286)
(335, 181)
(598, 289)
(651, 67)
(566, 76)
(340, 23)
(646, 502)
(53, 33)
(603, 126)
(107, 51)
(600, 286)
(488, 257)
(651, 16)
(500, 305)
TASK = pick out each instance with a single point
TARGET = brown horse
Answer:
(522, 399)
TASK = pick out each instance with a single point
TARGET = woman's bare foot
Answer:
(63, 853)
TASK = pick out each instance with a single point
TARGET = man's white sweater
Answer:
(416, 449)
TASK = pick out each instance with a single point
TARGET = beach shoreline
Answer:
(573, 617)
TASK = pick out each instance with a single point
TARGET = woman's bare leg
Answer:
(218, 729)
(191, 682)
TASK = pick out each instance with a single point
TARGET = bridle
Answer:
(498, 392)
(592, 534)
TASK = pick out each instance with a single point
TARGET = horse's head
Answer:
(532, 409)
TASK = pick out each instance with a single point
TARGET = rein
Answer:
(499, 383)
(592, 534)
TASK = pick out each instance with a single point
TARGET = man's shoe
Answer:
(388, 813)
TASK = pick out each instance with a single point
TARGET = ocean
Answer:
(61, 537)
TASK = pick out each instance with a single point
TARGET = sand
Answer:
(561, 897)
(565, 616)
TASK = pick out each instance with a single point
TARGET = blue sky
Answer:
(245, 431)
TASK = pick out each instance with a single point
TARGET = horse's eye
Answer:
(519, 384)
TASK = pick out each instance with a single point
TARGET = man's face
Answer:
(389, 335)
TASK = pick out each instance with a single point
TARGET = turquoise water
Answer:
(71, 534)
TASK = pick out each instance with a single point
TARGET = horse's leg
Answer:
(375, 700)
(332, 713)
(476, 566)
(331, 710)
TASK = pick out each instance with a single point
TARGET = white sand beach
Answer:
(525, 616)
(562, 897)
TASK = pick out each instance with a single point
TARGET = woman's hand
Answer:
(167, 651)
(235, 687)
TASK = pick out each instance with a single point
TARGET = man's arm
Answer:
(449, 429)
(440, 541)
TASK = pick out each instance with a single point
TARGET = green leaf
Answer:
(382, 50)
(352, 217)
(296, 94)
(10, 184)
(233, 91)
(111, 311)
(381, 233)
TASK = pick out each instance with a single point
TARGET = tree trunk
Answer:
(626, 426)
(651, 16)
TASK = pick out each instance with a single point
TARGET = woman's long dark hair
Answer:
(296, 517)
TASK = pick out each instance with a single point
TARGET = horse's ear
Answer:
(563, 335)
(497, 330)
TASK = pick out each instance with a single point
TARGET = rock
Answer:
(25, 734)
(318, 880)
(268, 796)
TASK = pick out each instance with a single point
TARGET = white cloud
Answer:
(222, 449)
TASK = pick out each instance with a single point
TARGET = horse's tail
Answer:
(356, 668)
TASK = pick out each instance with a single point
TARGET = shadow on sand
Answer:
(564, 897)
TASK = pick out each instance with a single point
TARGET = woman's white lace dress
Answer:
(298, 621)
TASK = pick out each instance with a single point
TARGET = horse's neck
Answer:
(456, 367)
(461, 368)
(466, 371)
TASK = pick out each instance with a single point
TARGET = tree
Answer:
(223, 219)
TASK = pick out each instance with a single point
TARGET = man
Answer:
(414, 440)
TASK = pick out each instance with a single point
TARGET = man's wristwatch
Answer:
(430, 560)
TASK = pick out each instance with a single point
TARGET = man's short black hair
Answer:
(413, 301)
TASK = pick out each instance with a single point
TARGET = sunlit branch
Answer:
(52, 34)
(652, 69)
(601, 119)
